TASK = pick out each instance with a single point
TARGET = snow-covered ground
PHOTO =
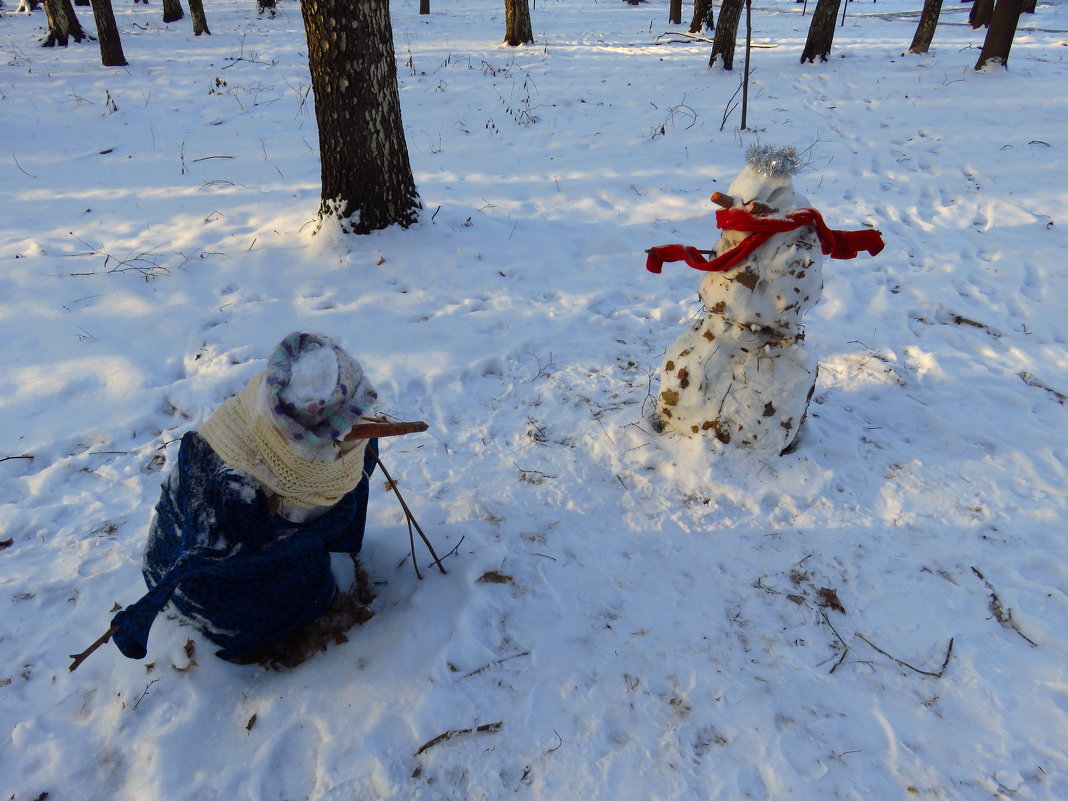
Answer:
(626, 615)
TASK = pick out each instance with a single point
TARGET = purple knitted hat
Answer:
(315, 390)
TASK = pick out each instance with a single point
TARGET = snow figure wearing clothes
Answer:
(742, 372)
(262, 493)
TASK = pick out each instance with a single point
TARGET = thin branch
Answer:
(408, 514)
(79, 658)
(23, 456)
(448, 735)
(938, 675)
(1001, 614)
(845, 648)
(489, 665)
(30, 175)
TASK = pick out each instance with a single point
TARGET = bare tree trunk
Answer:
(702, 16)
(367, 178)
(820, 31)
(745, 75)
(107, 31)
(424, 6)
(266, 7)
(726, 33)
(200, 20)
(979, 15)
(517, 30)
(675, 12)
(172, 10)
(1029, 6)
(62, 24)
(925, 31)
(1000, 34)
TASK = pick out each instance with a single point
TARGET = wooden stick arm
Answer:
(79, 658)
(371, 430)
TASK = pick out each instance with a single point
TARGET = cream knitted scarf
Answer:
(245, 439)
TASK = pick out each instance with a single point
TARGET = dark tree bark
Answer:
(925, 31)
(1029, 6)
(172, 10)
(979, 15)
(367, 178)
(81, 2)
(107, 31)
(63, 24)
(821, 31)
(517, 30)
(424, 6)
(200, 20)
(726, 33)
(675, 12)
(1000, 34)
(702, 16)
(266, 7)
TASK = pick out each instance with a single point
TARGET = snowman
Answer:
(742, 372)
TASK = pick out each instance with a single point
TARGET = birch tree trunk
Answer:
(726, 37)
(63, 24)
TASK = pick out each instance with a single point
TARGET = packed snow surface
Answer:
(879, 615)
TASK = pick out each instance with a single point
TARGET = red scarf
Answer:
(836, 244)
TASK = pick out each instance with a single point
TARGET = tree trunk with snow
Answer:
(702, 16)
(200, 20)
(726, 37)
(366, 175)
(1000, 34)
(821, 31)
(63, 23)
(675, 12)
(172, 10)
(925, 31)
(517, 28)
(107, 32)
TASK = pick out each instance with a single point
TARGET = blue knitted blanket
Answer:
(242, 575)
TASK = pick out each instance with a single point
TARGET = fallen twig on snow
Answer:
(845, 648)
(448, 735)
(1031, 381)
(1001, 614)
(489, 665)
(903, 663)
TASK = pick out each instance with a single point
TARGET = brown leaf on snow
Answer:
(827, 597)
(494, 577)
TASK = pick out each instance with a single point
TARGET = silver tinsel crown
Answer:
(774, 162)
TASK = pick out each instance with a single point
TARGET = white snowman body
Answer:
(742, 372)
